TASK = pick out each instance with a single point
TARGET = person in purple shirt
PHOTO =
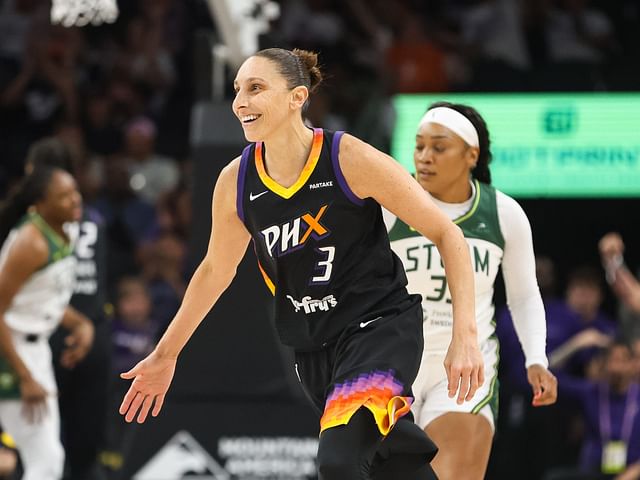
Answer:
(610, 406)
(532, 442)
(133, 329)
(579, 311)
(133, 334)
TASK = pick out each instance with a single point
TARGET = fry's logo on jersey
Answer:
(311, 305)
(285, 238)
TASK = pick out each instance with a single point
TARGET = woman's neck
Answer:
(286, 152)
(457, 193)
(54, 225)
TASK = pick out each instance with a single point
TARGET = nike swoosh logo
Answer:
(252, 197)
(364, 324)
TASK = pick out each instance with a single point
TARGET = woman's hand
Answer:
(544, 385)
(464, 367)
(78, 343)
(151, 379)
(34, 397)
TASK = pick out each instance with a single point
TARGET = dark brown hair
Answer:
(481, 171)
(298, 67)
(51, 152)
(31, 189)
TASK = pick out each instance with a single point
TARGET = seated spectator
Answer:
(513, 373)
(174, 212)
(581, 310)
(494, 40)
(146, 58)
(133, 337)
(38, 91)
(151, 174)
(163, 265)
(527, 442)
(575, 322)
(414, 62)
(129, 220)
(133, 329)
(579, 33)
(609, 404)
(580, 41)
(102, 135)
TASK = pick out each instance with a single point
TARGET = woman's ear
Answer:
(299, 96)
(472, 157)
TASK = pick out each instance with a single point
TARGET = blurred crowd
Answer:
(595, 353)
(376, 48)
(119, 98)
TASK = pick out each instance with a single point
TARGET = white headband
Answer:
(454, 121)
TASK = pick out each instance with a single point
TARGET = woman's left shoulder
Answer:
(506, 202)
(352, 147)
(510, 213)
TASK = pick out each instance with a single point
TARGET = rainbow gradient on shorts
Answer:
(378, 391)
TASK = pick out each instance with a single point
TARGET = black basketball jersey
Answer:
(89, 295)
(323, 252)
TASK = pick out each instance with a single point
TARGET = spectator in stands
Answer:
(133, 334)
(151, 174)
(609, 404)
(414, 62)
(494, 39)
(129, 220)
(103, 137)
(174, 212)
(624, 284)
(38, 91)
(580, 311)
(163, 268)
(579, 33)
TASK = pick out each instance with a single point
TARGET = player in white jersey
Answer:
(452, 163)
(37, 273)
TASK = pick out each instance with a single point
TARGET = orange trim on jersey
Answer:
(314, 224)
(270, 285)
(312, 161)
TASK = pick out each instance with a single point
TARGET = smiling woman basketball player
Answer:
(310, 201)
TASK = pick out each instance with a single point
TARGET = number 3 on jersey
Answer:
(440, 290)
(323, 267)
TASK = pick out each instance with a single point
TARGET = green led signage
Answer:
(546, 145)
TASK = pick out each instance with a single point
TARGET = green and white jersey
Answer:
(38, 306)
(498, 234)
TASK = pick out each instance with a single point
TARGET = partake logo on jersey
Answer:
(311, 305)
(292, 235)
(315, 186)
